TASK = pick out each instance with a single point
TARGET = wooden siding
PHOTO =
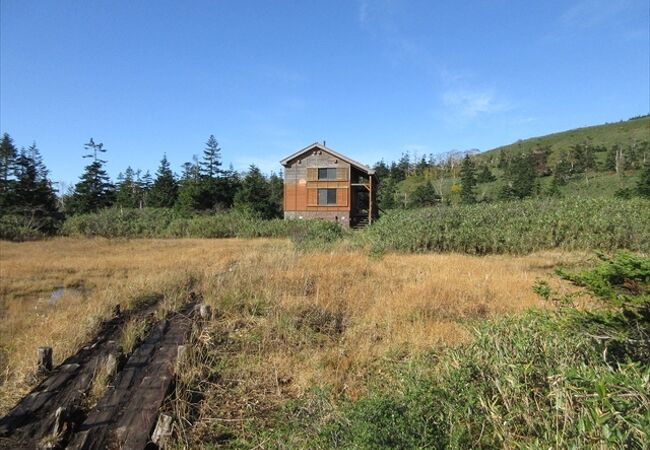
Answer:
(301, 183)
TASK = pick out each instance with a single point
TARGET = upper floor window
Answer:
(327, 174)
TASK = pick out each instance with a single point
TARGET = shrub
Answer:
(18, 228)
(160, 222)
(515, 227)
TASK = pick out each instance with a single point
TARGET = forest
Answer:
(548, 167)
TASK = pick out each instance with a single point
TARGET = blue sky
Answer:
(372, 78)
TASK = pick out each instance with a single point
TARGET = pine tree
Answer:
(521, 178)
(164, 190)
(468, 181)
(128, 191)
(94, 190)
(229, 184)
(34, 197)
(145, 182)
(8, 153)
(643, 184)
(210, 166)
(191, 190)
(276, 184)
(485, 175)
(386, 194)
(424, 195)
(255, 194)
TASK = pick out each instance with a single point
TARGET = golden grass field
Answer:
(285, 320)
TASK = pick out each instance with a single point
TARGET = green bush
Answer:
(18, 228)
(515, 227)
(160, 222)
(120, 222)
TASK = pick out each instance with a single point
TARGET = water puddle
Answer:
(59, 292)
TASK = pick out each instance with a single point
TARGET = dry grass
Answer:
(96, 274)
(284, 320)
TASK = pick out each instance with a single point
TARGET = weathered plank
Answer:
(67, 385)
(125, 417)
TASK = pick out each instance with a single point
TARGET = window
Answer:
(327, 174)
(327, 196)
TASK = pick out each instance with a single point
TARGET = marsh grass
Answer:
(133, 333)
(285, 322)
(548, 378)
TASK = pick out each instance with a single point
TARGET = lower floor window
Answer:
(327, 196)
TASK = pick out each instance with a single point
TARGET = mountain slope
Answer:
(623, 133)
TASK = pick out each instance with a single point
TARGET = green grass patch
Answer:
(516, 227)
(540, 380)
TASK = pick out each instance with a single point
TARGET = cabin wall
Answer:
(301, 186)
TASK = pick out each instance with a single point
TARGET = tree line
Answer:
(27, 192)
(520, 173)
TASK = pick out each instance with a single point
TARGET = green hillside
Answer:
(599, 144)
(623, 133)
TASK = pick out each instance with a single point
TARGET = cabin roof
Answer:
(320, 146)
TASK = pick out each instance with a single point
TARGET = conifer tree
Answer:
(128, 191)
(386, 195)
(164, 190)
(520, 178)
(145, 182)
(229, 185)
(643, 184)
(8, 153)
(485, 175)
(191, 191)
(468, 181)
(94, 189)
(255, 194)
(34, 198)
(276, 185)
(210, 166)
(424, 195)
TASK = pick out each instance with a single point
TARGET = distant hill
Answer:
(600, 181)
(623, 133)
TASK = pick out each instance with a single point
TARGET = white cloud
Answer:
(469, 103)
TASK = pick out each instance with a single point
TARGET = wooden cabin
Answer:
(320, 183)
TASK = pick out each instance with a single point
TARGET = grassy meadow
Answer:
(485, 326)
(312, 317)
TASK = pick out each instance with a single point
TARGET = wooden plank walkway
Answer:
(125, 417)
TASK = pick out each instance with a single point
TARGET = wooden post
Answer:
(205, 311)
(162, 431)
(44, 359)
(370, 200)
(181, 351)
(111, 365)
